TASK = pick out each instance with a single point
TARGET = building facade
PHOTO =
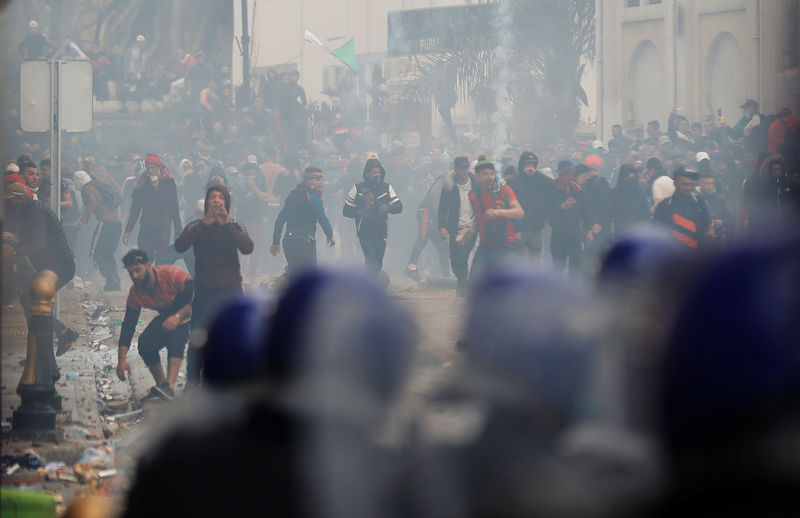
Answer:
(702, 57)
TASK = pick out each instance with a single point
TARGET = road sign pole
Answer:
(55, 145)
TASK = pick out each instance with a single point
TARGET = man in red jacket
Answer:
(217, 241)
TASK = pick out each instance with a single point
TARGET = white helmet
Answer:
(81, 178)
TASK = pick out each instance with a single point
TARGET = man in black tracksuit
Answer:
(369, 203)
(455, 216)
(301, 212)
(535, 192)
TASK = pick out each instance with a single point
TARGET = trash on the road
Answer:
(13, 469)
(75, 432)
(97, 458)
(101, 330)
(55, 466)
(29, 459)
(95, 322)
(84, 472)
(66, 476)
(107, 473)
(127, 416)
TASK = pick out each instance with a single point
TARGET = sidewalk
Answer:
(102, 421)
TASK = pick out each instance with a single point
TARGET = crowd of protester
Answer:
(568, 379)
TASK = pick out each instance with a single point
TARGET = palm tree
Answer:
(527, 63)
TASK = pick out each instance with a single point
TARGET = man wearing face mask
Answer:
(370, 202)
(155, 198)
(301, 212)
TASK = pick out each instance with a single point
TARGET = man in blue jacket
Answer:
(300, 214)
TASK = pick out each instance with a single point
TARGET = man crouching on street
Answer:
(168, 290)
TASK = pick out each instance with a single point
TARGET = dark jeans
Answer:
(300, 251)
(173, 256)
(563, 248)
(426, 231)
(486, 258)
(459, 261)
(154, 338)
(155, 242)
(373, 248)
(104, 244)
(207, 301)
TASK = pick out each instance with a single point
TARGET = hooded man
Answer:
(370, 202)
(217, 241)
(534, 191)
(301, 212)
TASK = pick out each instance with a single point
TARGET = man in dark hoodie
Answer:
(300, 213)
(217, 241)
(535, 193)
(370, 202)
(596, 211)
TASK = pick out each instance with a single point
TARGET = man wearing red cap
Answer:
(155, 198)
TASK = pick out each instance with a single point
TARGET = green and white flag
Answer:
(347, 54)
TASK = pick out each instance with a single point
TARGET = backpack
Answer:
(111, 198)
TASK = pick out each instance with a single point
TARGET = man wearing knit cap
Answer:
(370, 202)
(534, 191)
(217, 242)
(495, 207)
(155, 198)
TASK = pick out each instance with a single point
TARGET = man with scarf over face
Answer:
(496, 207)
(155, 198)
(369, 203)
(217, 241)
(301, 212)
(566, 221)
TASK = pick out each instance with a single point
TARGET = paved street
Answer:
(100, 412)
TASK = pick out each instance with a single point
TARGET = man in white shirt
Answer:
(456, 216)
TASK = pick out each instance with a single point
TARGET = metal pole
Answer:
(55, 145)
(245, 52)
